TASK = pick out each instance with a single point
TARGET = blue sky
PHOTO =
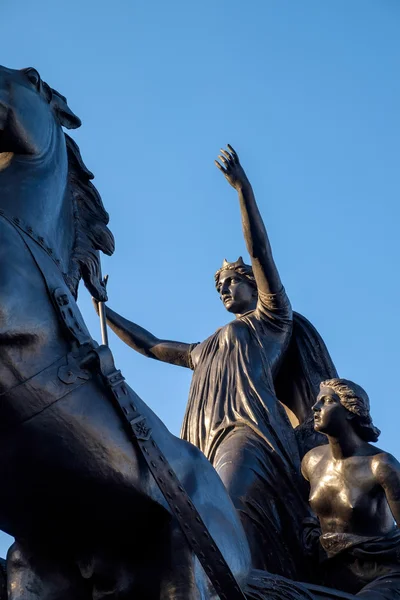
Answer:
(309, 95)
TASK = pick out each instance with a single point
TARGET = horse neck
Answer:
(35, 191)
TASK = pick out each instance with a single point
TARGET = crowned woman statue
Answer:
(233, 413)
(355, 493)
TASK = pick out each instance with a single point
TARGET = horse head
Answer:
(43, 180)
(29, 112)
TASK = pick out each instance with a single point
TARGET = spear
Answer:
(103, 317)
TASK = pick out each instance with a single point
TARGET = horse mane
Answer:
(91, 219)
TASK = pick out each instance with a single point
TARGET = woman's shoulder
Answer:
(275, 310)
(199, 350)
(313, 459)
(384, 465)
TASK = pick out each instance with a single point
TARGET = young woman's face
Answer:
(329, 414)
(237, 294)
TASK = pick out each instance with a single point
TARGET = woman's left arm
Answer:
(387, 472)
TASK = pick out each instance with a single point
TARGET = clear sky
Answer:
(309, 95)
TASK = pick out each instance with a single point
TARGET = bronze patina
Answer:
(103, 501)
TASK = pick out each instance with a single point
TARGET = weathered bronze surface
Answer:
(355, 492)
(233, 414)
(102, 500)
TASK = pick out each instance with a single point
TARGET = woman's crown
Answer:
(227, 265)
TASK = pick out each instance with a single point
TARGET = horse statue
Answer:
(102, 500)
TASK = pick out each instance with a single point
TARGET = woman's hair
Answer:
(241, 268)
(355, 399)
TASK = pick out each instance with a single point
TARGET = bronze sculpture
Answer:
(103, 501)
(355, 492)
(233, 414)
(92, 515)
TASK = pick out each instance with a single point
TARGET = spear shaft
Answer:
(103, 317)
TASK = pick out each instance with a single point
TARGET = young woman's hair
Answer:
(355, 399)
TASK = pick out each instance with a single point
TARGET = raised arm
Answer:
(255, 234)
(141, 340)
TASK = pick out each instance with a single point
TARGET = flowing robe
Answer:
(368, 566)
(235, 418)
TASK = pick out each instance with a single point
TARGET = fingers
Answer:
(231, 157)
(226, 154)
(233, 153)
(228, 158)
(220, 167)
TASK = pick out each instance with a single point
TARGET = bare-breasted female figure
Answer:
(233, 414)
(355, 493)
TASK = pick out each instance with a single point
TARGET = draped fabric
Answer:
(234, 417)
(368, 566)
(264, 586)
(306, 363)
(382, 548)
(233, 380)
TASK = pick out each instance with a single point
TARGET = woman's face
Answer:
(235, 292)
(330, 415)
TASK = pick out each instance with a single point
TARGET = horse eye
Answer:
(33, 76)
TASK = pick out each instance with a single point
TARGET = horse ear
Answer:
(63, 112)
(68, 119)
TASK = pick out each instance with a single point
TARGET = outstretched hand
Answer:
(95, 301)
(231, 168)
